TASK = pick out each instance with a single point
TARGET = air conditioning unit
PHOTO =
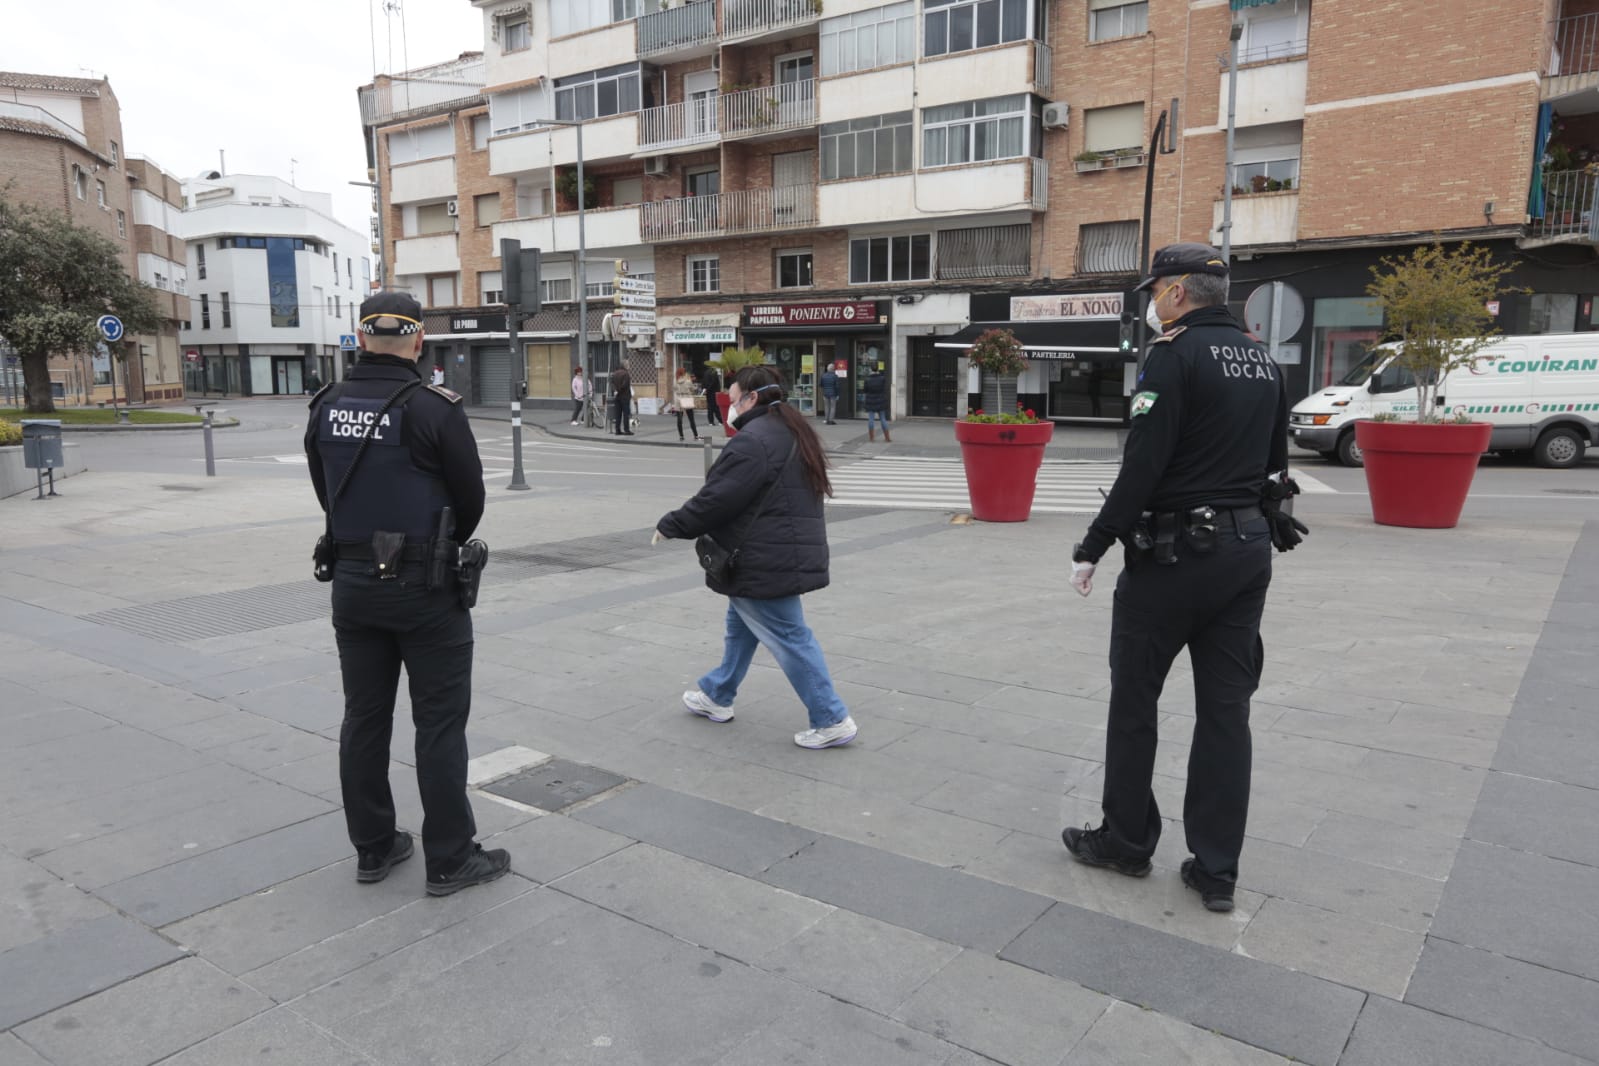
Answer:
(1056, 115)
(452, 208)
(655, 166)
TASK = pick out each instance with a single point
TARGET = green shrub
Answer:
(10, 433)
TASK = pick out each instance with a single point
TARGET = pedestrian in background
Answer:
(876, 389)
(711, 380)
(621, 402)
(386, 457)
(313, 383)
(581, 391)
(438, 374)
(830, 395)
(683, 397)
(763, 501)
(1209, 423)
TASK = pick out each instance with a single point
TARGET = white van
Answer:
(1540, 392)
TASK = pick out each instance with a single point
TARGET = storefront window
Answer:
(1344, 330)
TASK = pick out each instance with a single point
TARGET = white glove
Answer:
(656, 538)
(1083, 578)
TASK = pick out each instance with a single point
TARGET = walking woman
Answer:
(780, 537)
(581, 391)
(683, 402)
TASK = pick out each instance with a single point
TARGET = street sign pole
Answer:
(511, 283)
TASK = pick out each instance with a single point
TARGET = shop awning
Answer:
(1066, 341)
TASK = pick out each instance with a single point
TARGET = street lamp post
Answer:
(1234, 34)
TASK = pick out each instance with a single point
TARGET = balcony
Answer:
(748, 20)
(730, 213)
(38, 115)
(682, 32)
(1573, 57)
(1569, 212)
(1006, 185)
(1267, 94)
(431, 179)
(768, 109)
(1010, 68)
(606, 227)
(1259, 218)
(679, 125)
(435, 254)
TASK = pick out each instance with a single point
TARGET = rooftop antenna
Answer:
(292, 164)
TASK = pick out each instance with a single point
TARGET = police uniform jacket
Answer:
(422, 456)
(783, 550)
(1209, 422)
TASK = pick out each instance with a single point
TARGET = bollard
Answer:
(210, 455)
(710, 455)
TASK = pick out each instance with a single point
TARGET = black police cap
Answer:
(391, 305)
(1187, 257)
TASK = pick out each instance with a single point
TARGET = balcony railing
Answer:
(674, 125)
(1575, 49)
(769, 108)
(1040, 185)
(1570, 207)
(749, 18)
(1043, 66)
(29, 113)
(723, 214)
(676, 28)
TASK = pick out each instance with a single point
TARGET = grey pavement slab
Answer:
(39, 903)
(13, 1052)
(52, 723)
(703, 905)
(279, 1037)
(1127, 1035)
(859, 960)
(1364, 955)
(183, 888)
(1390, 1033)
(887, 822)
(1291, 1014)
(814, 1029)
(1542, 817)
(938, 902)
(714, 833)
(1343, 886)
(146, 1019)
(1007, 1012)
(58, 969)
(91, 763)
(1492, 891)
(1557, 752)
(544, 849)
(1568, 705)
(1514, 997)
(1422, 852)
(996, 759)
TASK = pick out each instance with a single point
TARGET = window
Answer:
(1108, 19)
(880, 37)
(349, 271)
(338, 308)
(974, 131)
(205, 311)
(99, 192)
(187, 325)
(1106, 129)
(794, 269)
(441, 290)
(486, 208)
(488, 287)
(434, 218)
(116, 155)
(557, 290)
(160, 280)
(429, 142)
(199, 259)
(1267, 154)
(1108, 248)
(80, 183)
(227, 313)
(533, 201)
(622, 10)
(512, 112)
(122, 224)
(882, 259)
(985, 252)
(960, 25)
(480, 132)
(601, 288)
(704, 273)
(625, 191)
(880, 144)
(1280, 30)
(612, 91)
(1257, 177)
(516, 34)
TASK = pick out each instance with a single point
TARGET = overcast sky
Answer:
(265, 81)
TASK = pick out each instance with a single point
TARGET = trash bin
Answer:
(41, 443)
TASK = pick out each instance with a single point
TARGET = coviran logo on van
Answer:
(1547, 365)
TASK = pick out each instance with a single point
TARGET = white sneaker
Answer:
(577, 423)
(701, 704)
(834, 736)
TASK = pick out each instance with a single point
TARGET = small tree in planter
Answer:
(1435, 305)
(998, 354)
(1001, 452)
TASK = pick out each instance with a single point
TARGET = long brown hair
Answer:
(767, 386)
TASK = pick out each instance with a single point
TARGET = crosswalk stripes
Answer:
(940, 485)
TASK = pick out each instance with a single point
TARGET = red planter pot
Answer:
(1419, 475)
(723, 402)
(1002, 467)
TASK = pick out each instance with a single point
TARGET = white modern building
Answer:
(274, 283)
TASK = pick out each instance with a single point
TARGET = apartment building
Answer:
(860, 183)
(275, 282)
(62, 149)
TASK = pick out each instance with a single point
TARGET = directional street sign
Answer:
(110, 327)
(628, 314)
(347, 342)
(626, 284)
(635, 299)
(640, 329)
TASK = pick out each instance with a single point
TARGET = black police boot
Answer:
(479, 869)
(1087, 845)
(371, 867)
(1216, 895)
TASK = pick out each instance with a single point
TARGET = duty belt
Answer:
(361, 551)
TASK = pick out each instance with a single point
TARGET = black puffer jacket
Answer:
(876, 389)
(784, 551)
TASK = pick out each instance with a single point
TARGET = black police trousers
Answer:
(1211, 604)
(380, 625)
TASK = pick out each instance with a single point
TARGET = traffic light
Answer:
(1129, 334)
(519, 275)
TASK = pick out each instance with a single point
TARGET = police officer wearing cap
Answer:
(1209, 423)
(388, 455)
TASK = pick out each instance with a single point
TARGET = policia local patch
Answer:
(1142, 402)
(349, 420)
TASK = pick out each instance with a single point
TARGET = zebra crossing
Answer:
(1064, 487)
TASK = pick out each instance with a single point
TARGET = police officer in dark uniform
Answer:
(388, 455)
(1209, 423)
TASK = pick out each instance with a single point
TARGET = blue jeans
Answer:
(873, 418)
(780, 625)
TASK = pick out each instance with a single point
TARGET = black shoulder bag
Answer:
(719, 562)
(324, 555)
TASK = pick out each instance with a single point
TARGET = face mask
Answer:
(1154, 320)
